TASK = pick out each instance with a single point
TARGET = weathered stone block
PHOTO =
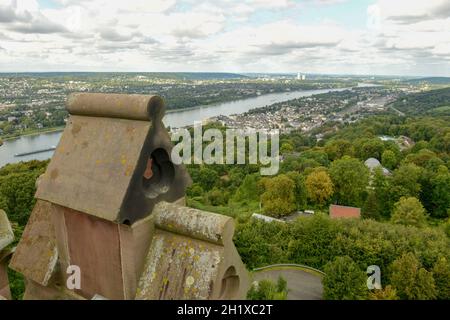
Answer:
(4, 283)
(104, 153)
(36, 254)
(192, 256)
(6, 233)
(36, 291)
(110, 255)
(6, 238)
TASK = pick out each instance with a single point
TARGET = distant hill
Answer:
(205, 75)
(160, 75)
(433, 102)
(430, 80)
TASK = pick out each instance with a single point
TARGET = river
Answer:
(174, 119)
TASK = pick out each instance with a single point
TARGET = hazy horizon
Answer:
(236, 73)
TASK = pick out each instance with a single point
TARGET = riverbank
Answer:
(32, 133)
(170, 112)
(249, 97)
(43, 139)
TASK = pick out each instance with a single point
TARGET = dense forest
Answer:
(17, 188)
(435, 102)
(405, 227)
(429, 80)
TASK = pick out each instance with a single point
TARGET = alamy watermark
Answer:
(74, 279)
(260, 151)
(374, 277)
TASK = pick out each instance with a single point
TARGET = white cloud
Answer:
(411, 11)
(270, 3)
(417, 31)
(223, 35)
(143, 6)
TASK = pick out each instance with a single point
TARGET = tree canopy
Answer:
(344, 280)
(350, 179)
(319, 187)
(409, 211)
(278, 198)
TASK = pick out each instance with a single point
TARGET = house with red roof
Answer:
(337, 211)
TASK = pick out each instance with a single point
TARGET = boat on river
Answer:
(34, 152)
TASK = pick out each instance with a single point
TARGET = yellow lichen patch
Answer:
(190, 281)
(129, 170)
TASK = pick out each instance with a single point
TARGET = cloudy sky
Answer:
(392, 37)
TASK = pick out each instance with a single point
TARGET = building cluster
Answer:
(307, 113)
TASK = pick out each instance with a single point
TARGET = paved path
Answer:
(398, 111)
(302, 284)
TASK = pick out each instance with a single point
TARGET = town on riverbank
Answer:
(35, 102)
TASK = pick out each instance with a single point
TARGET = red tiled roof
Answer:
(344, 212)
